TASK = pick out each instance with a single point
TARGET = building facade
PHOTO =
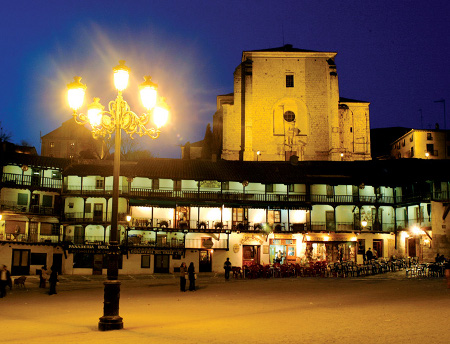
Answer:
(204, 212)
(286, 103)
(422, 144)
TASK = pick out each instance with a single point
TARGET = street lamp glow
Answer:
(75, 93)
(121, 76)
(161, 113)
(95, 112)
(364, 223)
(103, 123)
(416, 230)
(148, 90)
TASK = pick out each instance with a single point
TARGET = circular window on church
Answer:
(289, 116)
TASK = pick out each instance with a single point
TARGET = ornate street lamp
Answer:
(105, 123)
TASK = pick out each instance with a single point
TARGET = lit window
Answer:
(52, 144)
(289, 80)
(99, 182)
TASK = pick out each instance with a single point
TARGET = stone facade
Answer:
(286, 103)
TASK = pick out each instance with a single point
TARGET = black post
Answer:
(111, 319)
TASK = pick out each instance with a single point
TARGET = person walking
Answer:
(5, 279)
(191, 272)
(369, 254)
(52, 280)
(227, 267)
(43, 278)
(183, 272)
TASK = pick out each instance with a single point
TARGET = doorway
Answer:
(162, 263)
(205, 264)
(97, 267)
(250, 254)
(20, 262)
(98, 212)
(378, 248)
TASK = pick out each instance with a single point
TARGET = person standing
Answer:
(5, 278)
(227, 267)
(43, 278)
(183, 272)
(191, 272)
(369, 254)
(52, 280)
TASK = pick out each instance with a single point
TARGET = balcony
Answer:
(32, 209)
(28, 181)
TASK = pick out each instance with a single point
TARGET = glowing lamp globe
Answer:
(161, 114)
(75, 93)
(148, 91)
(121, 76)
(94, 112)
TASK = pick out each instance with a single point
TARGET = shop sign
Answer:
(331, 237)
(144, 250)
(282, 236)
(252, 239)
(83, 248)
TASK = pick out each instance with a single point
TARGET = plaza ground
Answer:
(386, 308)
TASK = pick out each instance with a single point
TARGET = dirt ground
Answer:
(384, 309)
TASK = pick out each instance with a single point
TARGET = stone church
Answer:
(286, 106)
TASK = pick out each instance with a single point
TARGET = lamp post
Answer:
(105, 123)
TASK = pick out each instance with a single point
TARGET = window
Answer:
(289, 80)
(225, 185)
(430, 148)
(177, 185)
(411, 139)
(88, 208)
(274, 216)
(429, 136)
(99, 182)
(38, 259)
(56, 175)
(289, 116)
(403, 143)
(269, 188)
(239, 214)
(22, 199)
(412, 152)
(72, 145)
(145, 261)
(291, 187)
(52, 144)
(47, 201)
(361, 246)
(55, 228)
(330, 191)
(155, 184)
(71, 205)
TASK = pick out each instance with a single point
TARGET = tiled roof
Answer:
(34, 161)
(286, 47)
(348, 100)
(383, 173)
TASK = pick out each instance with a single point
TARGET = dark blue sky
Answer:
(393, 54)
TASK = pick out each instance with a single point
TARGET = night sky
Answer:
(393, 54)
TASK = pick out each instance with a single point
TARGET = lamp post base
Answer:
(111, 319)
(108, 323)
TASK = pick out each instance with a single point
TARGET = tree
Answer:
(207, 143)
(4, 135)
(130, 150)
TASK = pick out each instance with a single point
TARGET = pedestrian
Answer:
(52, 280)
(192, 277)
(5, 279)
(369, 254)
(183, 272)
(227, 267)
(43, 278)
